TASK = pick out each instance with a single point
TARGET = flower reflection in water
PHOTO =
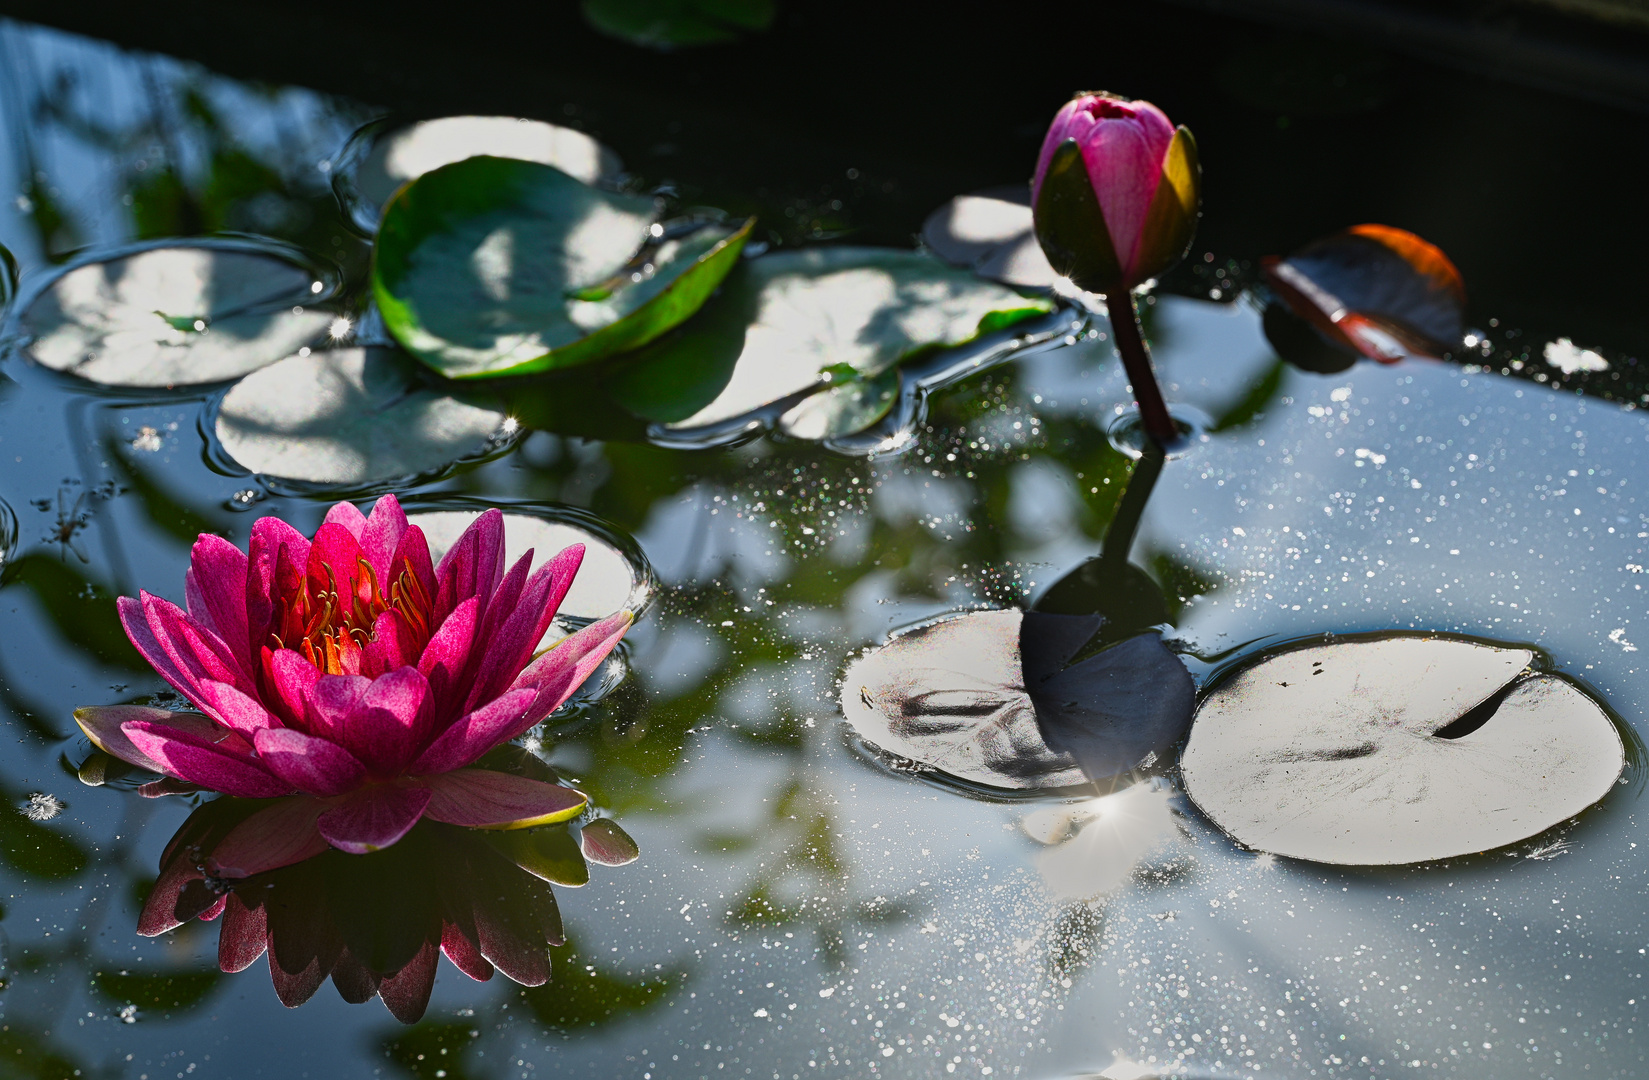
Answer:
(377, 923)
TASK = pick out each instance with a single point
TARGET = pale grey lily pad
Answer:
(614, 575)
(799, 321)
(991, 233)
(379, 158)
(951, 696)
(352, 418)
(180, 314)
(1399, 749)
(493, 266)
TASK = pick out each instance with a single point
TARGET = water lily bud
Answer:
(1116, 192)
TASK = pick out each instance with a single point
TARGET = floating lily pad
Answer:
(179, 314)
(1398, 749)
(842, 410)
(991, 233)
(614, 575)
(952, 696)
(379, 158)
(1371, 290)
(350, 417)
(491, 266)
(795, 322)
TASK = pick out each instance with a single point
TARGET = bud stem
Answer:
(1136, 361)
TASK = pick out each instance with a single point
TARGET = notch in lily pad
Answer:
(1396, 749)
(493, 266)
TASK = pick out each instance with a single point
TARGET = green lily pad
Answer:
(842, 410)
(491, 266)
(790, 324)
(350, 417)
(182, 314)
(378, 158)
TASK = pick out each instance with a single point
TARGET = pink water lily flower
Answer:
(349, 669)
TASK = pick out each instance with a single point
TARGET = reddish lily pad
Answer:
(1374, 291)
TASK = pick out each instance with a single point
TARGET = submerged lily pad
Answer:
(491, 266)
(378, 158)
(1397, 749)
(1370, 290)
(614, 575)
(350, 417)
(958, 696)
(991, 233)
(795, 322)
(179, 314)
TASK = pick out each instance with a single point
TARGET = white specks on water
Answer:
(1618, 636)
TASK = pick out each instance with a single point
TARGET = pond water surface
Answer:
(801, 905)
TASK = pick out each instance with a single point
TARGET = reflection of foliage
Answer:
(581, 995)
(430, 1049)
(162, 991)
(83, 610)
(1181, 582)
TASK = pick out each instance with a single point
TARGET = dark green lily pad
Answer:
(796, 322)
(491, 266)
(179, 314)
(1395, 749)
(378, 158)
(352, 418)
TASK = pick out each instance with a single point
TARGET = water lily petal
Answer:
(280, 835)
(382, 536)
(334, 562)
(291, 678)
(200, 760)
(412, 556)
(373, 818)
(473, 566)
(243, 936)
(332, 704)
(310, 764)
(464, 742)
(239, 711)
(508, 651)
(406, 993)
(218, 570)
(563, 669)
(481, 798)
(354, 983)
(101, 723)
(499, 610)
(304, 944)
(447, 655)
(393, 645)
(602, 841)
(144, 639)
(269, 536)
(394, 722)
(349, 516)
(464, 953)
(196, 651)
